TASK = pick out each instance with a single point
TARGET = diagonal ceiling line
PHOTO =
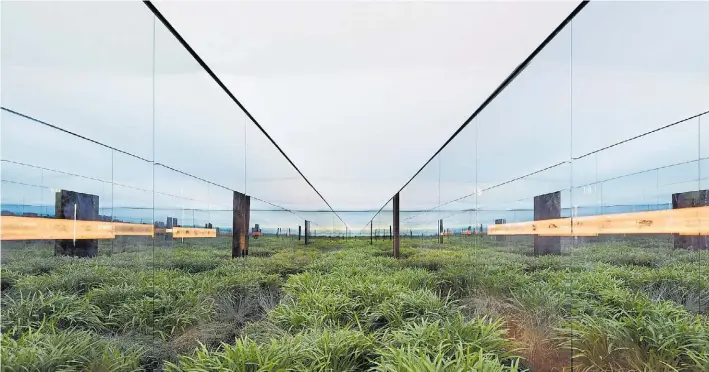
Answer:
(510, 78)
(226, 90)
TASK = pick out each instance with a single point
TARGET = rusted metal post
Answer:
(240, 227)
(72, 205)
(691, 199)
(395, 235)
(547, 206)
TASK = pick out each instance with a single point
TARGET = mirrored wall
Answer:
(126, 173)
(579, 193)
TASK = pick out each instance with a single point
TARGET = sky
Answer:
(359, 95)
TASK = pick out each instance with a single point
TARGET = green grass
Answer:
(469, 304)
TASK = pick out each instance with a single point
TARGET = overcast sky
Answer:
(359, 95)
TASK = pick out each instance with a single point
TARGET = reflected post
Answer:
(440, 231)
(307, 232)
(547, 206)
(240, 228)
(500, 221)
(72, 205)
(689, 200)
(395, 234)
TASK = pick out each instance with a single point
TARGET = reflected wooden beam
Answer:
(38, 228)
(685, 221)
(133, 229)
(193, 232)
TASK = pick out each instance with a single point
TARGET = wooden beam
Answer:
(685, 221)
(193, 232)
(134, 229)
(37, 228)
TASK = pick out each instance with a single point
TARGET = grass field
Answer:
(470, 304)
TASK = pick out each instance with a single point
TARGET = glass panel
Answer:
(417, 201)
(199, 130)
(637, 74)
(77, 186)
(98, 84)
(703, 122)
(638, 85)
(523, 175)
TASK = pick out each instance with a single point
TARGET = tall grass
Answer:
(461, 306)
(49, 349)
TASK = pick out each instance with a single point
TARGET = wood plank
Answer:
(37, 228)
(193, 232)
(552, 227)
(135, 229)
(685, 221)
